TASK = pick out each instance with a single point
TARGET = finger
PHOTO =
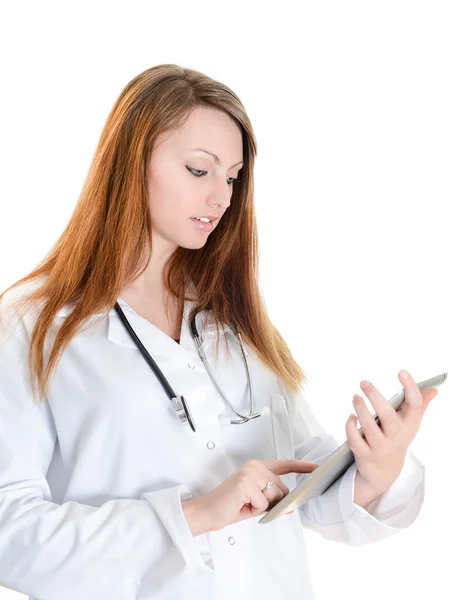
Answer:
(356, 443)
(266, 499)
(412, 410)
(265, 475)
(274, 494)
(375, 438)
(290, 465)
(389, 419)
(261, 500)
(258, 501)
(428, 395)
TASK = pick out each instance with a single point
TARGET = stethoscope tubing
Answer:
(180, 404)
(244, 418)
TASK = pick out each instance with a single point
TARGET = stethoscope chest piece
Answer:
(183, 411)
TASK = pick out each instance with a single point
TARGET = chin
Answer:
(193, 245)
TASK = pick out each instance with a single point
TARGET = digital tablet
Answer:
(318, 481)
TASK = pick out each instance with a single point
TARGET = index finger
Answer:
(290, 465)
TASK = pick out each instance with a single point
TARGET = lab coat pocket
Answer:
(283, 435)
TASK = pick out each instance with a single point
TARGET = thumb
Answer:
(428, 395)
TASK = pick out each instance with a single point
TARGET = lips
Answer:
(202, 225)
(211, 217)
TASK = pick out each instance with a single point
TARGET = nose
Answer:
(222, 196)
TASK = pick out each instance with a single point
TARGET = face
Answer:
(184, 183)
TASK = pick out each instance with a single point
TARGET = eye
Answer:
(198, 170)
(202, 173)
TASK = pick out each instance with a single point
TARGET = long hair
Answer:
(108, 241)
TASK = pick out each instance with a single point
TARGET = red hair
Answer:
(107, 242)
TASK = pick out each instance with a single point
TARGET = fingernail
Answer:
(404, 374)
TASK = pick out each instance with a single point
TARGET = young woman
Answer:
(142, 471)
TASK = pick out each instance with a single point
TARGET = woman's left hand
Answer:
(380, 455)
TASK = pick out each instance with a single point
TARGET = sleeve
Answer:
(123, 550)
(333, 514)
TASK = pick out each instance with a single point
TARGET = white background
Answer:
(350, 102)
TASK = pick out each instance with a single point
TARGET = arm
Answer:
(336, 514)
(124, 549)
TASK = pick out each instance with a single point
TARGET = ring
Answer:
(268, 485)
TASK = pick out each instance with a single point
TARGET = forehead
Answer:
(210, 129)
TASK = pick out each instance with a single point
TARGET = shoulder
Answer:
(10, 314)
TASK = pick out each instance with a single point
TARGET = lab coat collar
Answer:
(156, 341)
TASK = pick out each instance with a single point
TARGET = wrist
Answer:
(364, 493)
(197, 515)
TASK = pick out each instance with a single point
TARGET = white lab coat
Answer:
(91, 483)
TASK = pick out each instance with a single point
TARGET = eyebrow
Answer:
(216, 158)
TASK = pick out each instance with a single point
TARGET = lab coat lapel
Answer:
(156, 341)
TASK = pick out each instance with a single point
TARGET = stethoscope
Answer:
(179, 402)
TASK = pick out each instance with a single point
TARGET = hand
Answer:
(240, 496)
(380, 455)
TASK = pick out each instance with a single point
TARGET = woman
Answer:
(112, 490)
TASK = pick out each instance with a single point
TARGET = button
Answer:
(211, 445)
(191, 366)
(231, 540)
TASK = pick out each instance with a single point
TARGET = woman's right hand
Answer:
(240, 496)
